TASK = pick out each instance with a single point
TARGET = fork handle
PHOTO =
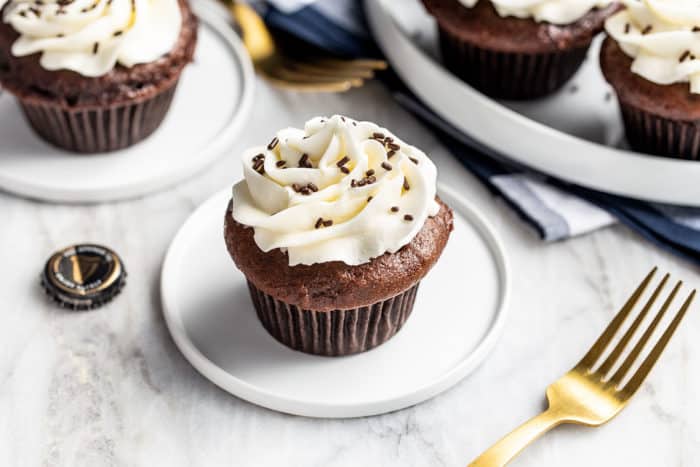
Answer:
(510, 445)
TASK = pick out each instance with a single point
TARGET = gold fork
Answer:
(588, 394)
(308, 74)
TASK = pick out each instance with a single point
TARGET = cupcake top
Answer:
(338, 190)
(91, 37)
(663, 39)
(550, 11)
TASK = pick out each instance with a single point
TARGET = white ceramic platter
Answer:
(458, 316)
(575, 135)
(213, 98)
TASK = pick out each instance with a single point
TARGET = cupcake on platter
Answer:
(94, 75)
(652, 61)
(517, 49)
(334, 226)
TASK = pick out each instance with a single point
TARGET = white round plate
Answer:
(575, 135)
(458, 315)
(213, 98)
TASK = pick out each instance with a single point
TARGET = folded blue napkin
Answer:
(556, 209)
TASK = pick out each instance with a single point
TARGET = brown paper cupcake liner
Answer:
(337, 332)
(653, 134)
(506, 75)
(98, 130)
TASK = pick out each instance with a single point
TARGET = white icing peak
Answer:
(339, 190)
(550, 11)
(659, 35)
(91, 36)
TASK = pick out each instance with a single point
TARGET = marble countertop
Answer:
(108, 387)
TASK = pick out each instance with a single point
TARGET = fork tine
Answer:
(306, 85)
(639, 347)
(601, 344)
(289, 73)
(356, 63)
(641, 374)
(316, 68)
(620, 347)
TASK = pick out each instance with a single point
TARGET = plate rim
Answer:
(253, 394)
(204, 157)
(401, 52)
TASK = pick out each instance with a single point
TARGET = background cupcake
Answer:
(334, 226)
(95, 75)
(517, 49)
(651, 61)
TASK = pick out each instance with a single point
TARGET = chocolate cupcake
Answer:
(334, 227)
(517, 51)
(95, 76)
(652, 61)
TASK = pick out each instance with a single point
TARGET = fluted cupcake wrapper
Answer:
(508, 75)
(98, 130)
(653, 134)
(337, 332)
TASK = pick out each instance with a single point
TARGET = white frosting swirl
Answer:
(91, 36)
(658, 35)
(344, 192)
(549, 11)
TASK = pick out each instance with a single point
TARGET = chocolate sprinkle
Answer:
(696, 28)
(386, 166)
(305, 190)
(273, 143)
(378, 135)
(319, 223)
(95, 48)
(647, 29)
(343, 161)
(394, 209)
(118, 33)
(327, 223)
(408, 217)
(414, 160)
(627, 28)
(304, 161)
(390, 154)
(370, 172)
(683, 56)
(406, 186)
(280, 163)
(369, 198)
(345, 170)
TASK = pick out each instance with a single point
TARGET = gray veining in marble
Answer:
(108, 387)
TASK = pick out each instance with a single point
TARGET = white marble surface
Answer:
(109, 387)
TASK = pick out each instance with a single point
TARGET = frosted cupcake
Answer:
(95, 75)
(652, 61)
(334, 226)
(517, 49)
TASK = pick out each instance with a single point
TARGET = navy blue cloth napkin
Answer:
(557, 210)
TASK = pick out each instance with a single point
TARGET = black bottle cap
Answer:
(82, 277)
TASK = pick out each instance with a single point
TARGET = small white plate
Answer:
(213, 98)
(575, 135)
(458, 316)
